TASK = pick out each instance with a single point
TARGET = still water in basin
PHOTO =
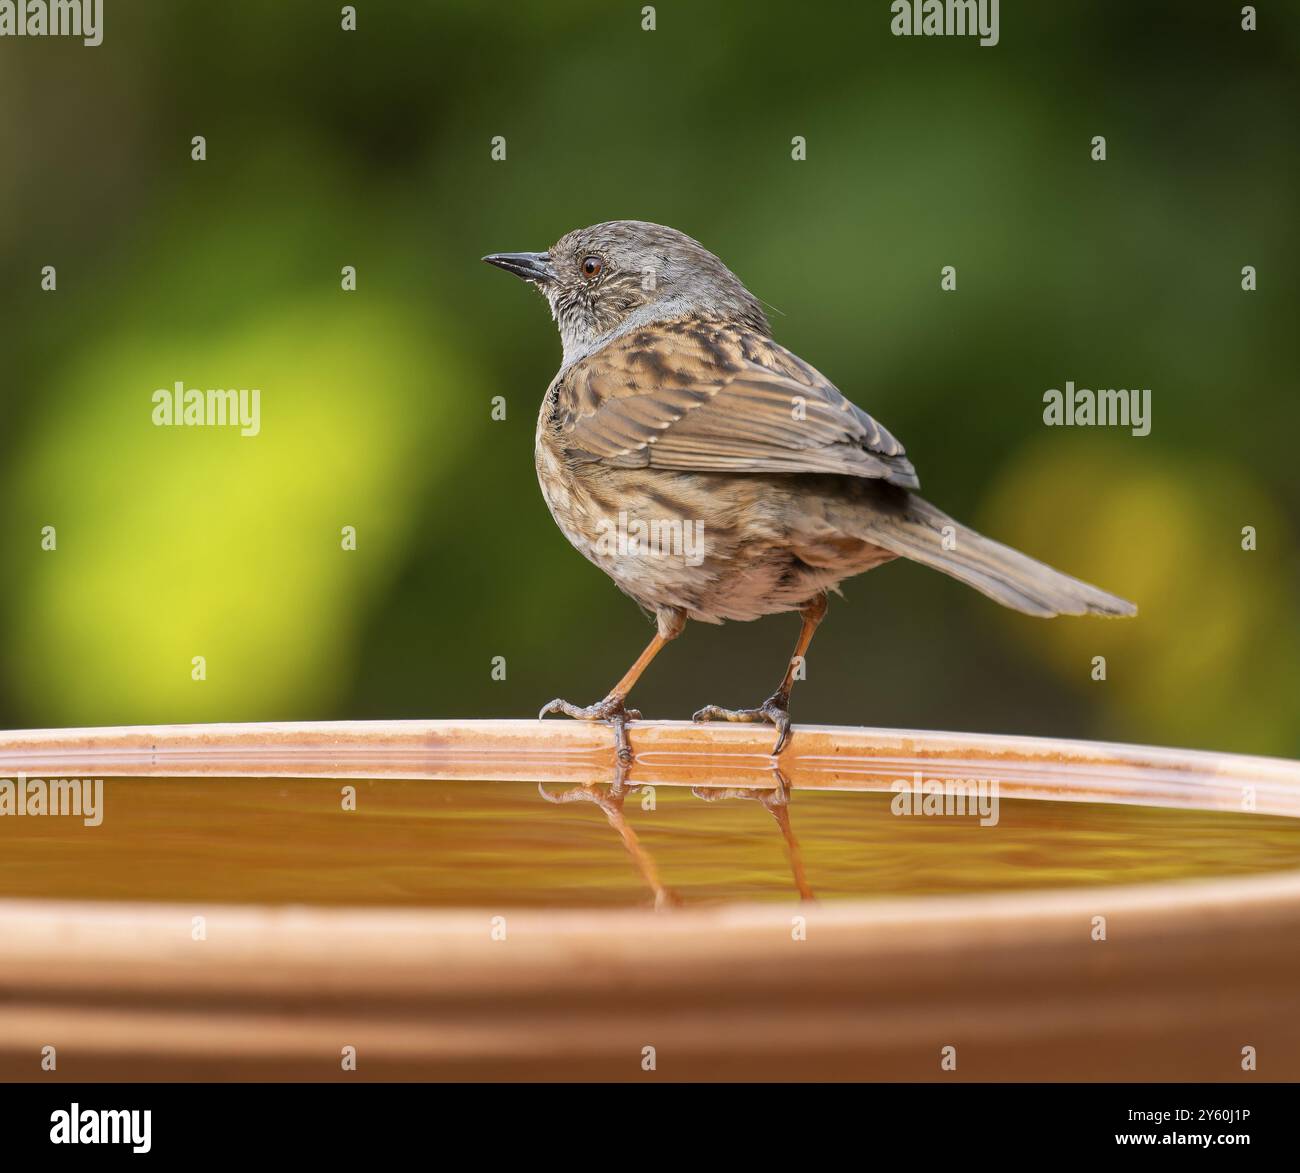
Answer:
(490, 844)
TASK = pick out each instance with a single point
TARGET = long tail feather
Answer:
(920, 532)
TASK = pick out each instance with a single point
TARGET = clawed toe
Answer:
(610, 710)
(773, 710)
(771, 800)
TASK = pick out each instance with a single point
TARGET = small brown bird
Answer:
(714, 475)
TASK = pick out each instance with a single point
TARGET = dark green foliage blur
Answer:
(372, 149)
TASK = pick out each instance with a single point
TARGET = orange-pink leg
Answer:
(612, 708)
(776, 708)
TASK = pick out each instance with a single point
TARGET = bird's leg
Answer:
(611, 803)
(777, 803)
(776, 708)
(612, 709)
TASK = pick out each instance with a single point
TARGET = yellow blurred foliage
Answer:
(177, 542)
(1215, 630)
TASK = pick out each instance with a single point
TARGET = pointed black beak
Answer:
(529, 266)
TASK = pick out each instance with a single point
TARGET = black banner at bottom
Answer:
(367, 1120)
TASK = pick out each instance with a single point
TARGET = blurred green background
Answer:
(372, 149)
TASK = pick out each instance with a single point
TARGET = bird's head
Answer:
(604, 280)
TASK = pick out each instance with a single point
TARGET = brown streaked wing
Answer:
(707, 397)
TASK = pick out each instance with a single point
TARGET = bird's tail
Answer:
(919, 531)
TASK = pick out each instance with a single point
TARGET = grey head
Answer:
(610, 278)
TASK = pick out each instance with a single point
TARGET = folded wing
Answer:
(712, 397)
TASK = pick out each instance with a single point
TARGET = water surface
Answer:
(497, 844)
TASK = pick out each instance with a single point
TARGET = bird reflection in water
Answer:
(610, 798)
(776, 801)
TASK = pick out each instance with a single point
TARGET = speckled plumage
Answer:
(674, 406)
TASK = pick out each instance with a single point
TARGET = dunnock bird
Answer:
(714, 475)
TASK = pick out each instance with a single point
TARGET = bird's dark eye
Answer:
(591, 267)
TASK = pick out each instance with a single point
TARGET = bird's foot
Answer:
(771, 800)
(611, 710)
(776, 710)
(591, 792)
